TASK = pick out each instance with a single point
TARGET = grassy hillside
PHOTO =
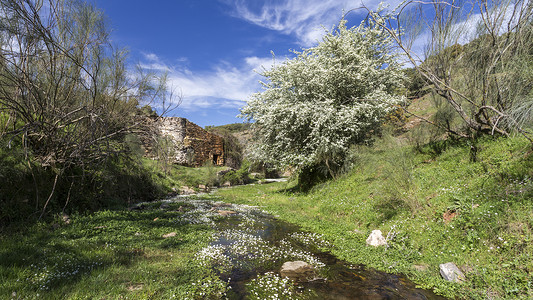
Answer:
(434, 205)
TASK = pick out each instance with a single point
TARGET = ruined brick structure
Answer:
(190, 144)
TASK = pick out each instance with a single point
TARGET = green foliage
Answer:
(487, 82)
(310, 176)
(232, 128)
(29, 186)
(180, 176)
(148, 111)
(69, 105)
(25, 186)
(63, 119)
(414, 83)
(165, 151)
(210, 177)
(240, 176)
(327, 98)
(265, 169)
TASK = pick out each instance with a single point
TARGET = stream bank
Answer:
(250, 246)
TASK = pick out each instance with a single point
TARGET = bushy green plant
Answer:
(210, 174)
(240, 176)
(485, 81)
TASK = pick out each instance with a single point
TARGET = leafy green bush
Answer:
(240, 176)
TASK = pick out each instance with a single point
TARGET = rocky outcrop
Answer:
(182, 142)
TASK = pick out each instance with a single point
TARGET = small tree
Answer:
(325, 99)
(66, 97)
(488, 82)
(165, 149)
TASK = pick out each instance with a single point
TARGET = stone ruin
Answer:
(185, 142)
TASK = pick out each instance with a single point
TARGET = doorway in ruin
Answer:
(215, 159)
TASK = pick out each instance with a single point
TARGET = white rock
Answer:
(451, 272)
(376, 239)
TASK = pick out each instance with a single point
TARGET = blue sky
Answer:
(210, 48)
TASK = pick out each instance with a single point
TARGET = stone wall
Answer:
(206, 146)
(187, 143)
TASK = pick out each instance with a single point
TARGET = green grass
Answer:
(179, 176)
(107, 255)
(405, 194)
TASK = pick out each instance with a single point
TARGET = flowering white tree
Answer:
(328, 97)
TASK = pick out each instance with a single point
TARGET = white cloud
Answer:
(224, 85)
(502, 19)
(153, 62)
(304, 19)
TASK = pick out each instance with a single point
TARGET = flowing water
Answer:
(250, 247)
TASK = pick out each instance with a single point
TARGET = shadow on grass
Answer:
(44, 257)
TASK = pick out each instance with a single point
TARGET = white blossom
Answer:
(326, 98)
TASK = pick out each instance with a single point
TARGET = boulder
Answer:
(299, 271)
(449, 271)
(376, 239)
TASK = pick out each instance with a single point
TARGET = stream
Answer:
(250, 246)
